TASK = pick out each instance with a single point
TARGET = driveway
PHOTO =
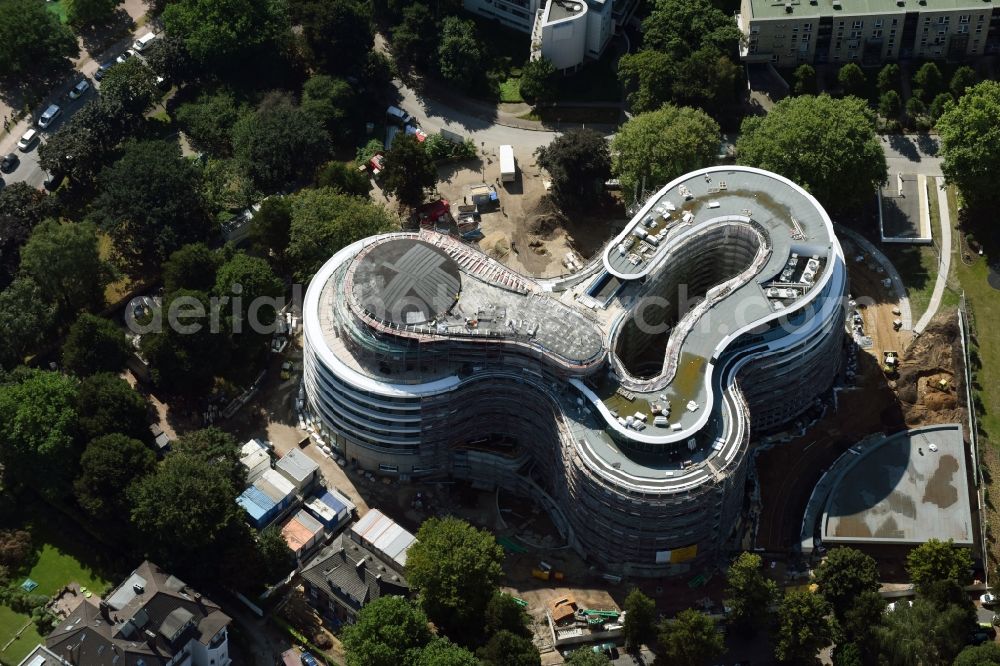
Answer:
(912, 153)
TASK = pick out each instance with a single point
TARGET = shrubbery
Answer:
(441, 149)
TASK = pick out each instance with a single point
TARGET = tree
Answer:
(222, 34)
(208, 120)
(859, 622)
(987, 654)
(94, 344)
(192, 266)
(970, 143)
(26, 319)
(706, 78)
(929, 80)
(181, 509)
(65, 262)
(216, 447)
(647, 76)
(107, 404)
(827, 145)
(442, 652)
(132, 84)
(888, 78)
(940, 105)
(749, 594)
(338, 34)
(507, 649)
(277, 558)
(538, 81)
(346, 177)
(409, 171)
(15, 548)
(409, 38)
(38, 429)
(389, 631)
(936, 560)
(461, 56)
(455, 568)
(86, 13)
(680, 27)
(271, 225)
(804, 78)
(33, 41)
(852, 80)
(847, 654)
(22, 207)
(579, 163)
(258, 288)
(922, 634)
(324, 221)
(692, 639)
(264, 140)
(107, 467)
(584, 657)
(169, 58)
(640, 618)
(889, 105)
(332, 101)
(915, 108)
(503, 613)
(803, 628)
(964, 78)
(149, 204)
(843, 575)
(87, 141)
(653, 148)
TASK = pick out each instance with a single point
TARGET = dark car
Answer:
(53, 181)
(9, 162)
(102, 70)
(309, 660)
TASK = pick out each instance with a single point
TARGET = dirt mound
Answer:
(545, 219)
(930, 375)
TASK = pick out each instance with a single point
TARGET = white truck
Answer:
(508, 168)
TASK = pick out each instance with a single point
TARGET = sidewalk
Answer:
(944, 261)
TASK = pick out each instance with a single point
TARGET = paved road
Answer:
(912, 153)
(944, 261)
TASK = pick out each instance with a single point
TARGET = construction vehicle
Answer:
(890, 363)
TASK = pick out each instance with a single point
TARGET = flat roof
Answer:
(775, 9)
(905, 212)
(911, 487)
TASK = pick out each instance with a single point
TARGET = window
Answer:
(807, 27)
(755, 30)
(964, 18)
(858, 25)
(944, 20)
(942, 31)
(982, 17)
(979, 29)
(892, 33)
(878, 23)
(963, 29)
(383, 467)
(895, 21)
(855, 34)
(805, 38)
(876, 34)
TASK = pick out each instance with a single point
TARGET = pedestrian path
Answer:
(944, 260)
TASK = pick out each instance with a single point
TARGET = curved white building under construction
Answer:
(622, 399)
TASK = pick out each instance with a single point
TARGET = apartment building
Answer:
(790, 32)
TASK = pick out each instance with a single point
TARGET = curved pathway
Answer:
(944, 262)
(903, 301)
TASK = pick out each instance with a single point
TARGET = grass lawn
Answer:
(56, 8)
(117, 290)
(10, 622)
(556, 115)
(56, 567)
(510, 90)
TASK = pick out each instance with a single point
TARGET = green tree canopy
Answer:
(333, 102)
(692, 639)
(662, 145)
(33, 41)
(168, 56)
(442, 652)
(389, 631)
(859, 622)
(579, 163)
(38, 431)
(107, 404)
(461, 54)
(538, 81)
(65, 262)
(827, 145)
(888, 78)
(346, 177)
(970, 143)
(271, 226)
(804, 79)
(680, 27)
(503, 613)
(852, 80)
(640, 618)
(929, 80)
(647, 76)
(22, 207)
(192, 266)
(455, 569)
(265, 140)
(181, 509)
(149, 204)
(843, 575)
(922, 634)
(749, 594)
(803, 628)
(277, 558)
(208, 120)
(940, 105)
(253, 280)
(107, 467)
(586, 657)
(507, 649)
(338, 34)
(324, 221)
(987, 654)
(409, 171)
(707, 79)
(223, 33)
(936, 560)
(964, 78)
(889, 104)
(216, 447)
(94, 344)
(409, 37)
(132, 85)
(26, 319)
(85, 13)
(86, 142)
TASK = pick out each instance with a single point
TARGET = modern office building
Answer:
(621, 399)
(790, 32)
(567, 32)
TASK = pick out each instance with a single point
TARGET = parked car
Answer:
(28, 139)
(125, 56)
(102, 70)
(988, 599)
(53, 181)
(49, 115)
(9, 162)
(144, 41)
(79, 89)
(309, 660)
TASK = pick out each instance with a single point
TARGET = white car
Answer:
(49, 115)
(988, 599)
(28, 139)
(125, 56)
(79, 89)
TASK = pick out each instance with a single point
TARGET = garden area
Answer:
(51, 552)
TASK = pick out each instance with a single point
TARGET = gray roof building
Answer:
(298, 468)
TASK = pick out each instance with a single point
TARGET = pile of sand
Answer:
(930, 380)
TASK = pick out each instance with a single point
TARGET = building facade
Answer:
(791, 32)
(620, 399)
